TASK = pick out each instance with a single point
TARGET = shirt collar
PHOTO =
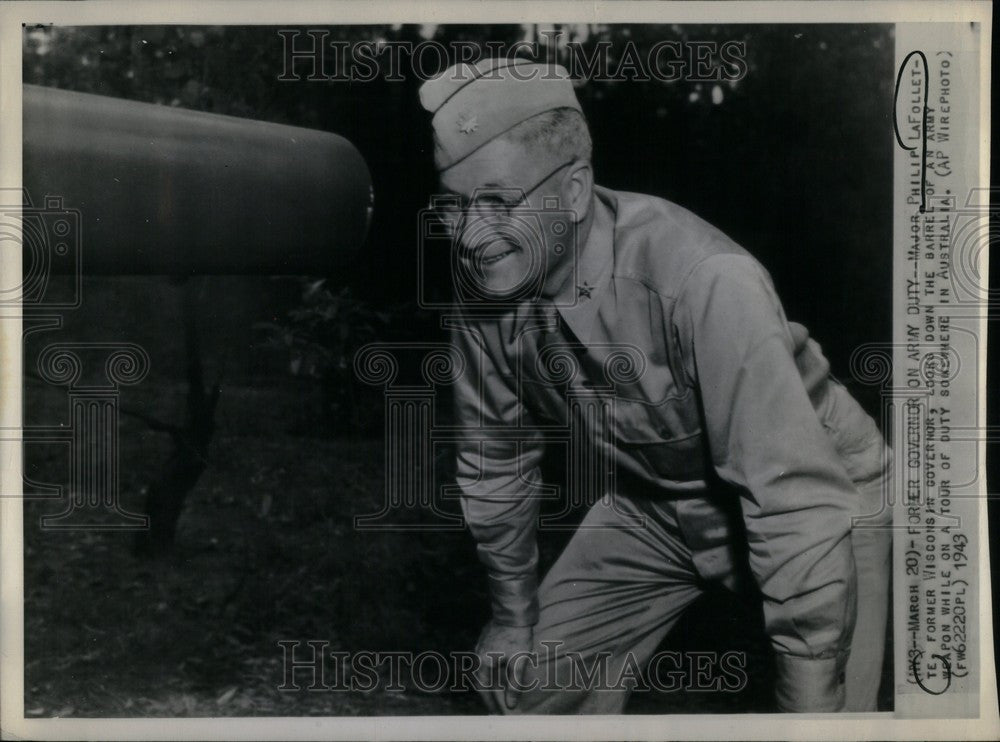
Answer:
(578, 303)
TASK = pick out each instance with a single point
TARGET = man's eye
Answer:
(490, 202)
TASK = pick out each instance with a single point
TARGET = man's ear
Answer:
(578, 189)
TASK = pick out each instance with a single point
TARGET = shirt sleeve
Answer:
(766, 438)
(497, 471)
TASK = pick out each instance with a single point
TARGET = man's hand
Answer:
(496, 645)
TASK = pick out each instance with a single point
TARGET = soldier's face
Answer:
(504, 236)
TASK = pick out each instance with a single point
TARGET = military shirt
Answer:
(711, 384)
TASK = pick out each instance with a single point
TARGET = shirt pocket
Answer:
(665, 440)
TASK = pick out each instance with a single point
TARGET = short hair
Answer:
(560, 133)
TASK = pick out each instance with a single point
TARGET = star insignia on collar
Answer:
(583, 291)
(467, 124)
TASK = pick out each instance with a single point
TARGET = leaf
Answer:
(312, 288)
(265, 508)
(226, 697)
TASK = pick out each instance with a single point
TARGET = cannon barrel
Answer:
(164, 190)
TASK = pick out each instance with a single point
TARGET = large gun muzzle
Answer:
(164, 190)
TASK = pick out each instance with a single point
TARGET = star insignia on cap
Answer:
(467, 124)
(583, 291)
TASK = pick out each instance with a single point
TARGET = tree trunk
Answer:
(189, 458)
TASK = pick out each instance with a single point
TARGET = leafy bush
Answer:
(321, 336)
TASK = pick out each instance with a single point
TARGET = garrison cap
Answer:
(473, 104)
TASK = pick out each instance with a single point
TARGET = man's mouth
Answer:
(483, 257)
(494, 259)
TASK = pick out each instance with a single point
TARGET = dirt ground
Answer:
(267, 552)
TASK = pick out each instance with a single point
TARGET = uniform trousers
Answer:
(617, 591)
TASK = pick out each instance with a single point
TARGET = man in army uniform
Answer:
(738, 454)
